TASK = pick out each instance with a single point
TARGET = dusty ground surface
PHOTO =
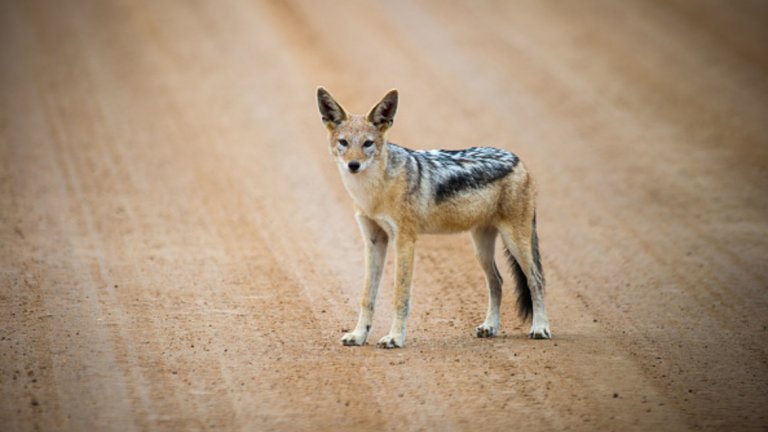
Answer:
(178, 252)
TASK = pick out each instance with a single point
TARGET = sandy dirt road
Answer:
(177, 251)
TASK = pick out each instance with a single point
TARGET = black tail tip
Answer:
(524, 300)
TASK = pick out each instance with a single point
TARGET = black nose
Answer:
(353, 166)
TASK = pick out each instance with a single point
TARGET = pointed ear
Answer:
(331, 112)
(383, 113)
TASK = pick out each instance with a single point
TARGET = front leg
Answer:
(404, 272)
(375, 251)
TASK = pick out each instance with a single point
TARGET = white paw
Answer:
(486, 330)
(354, 338)
(391, 341)
(540, 331)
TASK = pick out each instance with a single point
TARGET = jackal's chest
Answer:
(362, 189)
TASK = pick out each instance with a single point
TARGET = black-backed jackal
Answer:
(399, 193)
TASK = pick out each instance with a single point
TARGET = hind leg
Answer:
(484, 240)
(523, 244)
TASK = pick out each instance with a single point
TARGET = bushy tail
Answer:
(524, 301)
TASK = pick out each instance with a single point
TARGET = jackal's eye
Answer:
(368, 144)
(343, 143)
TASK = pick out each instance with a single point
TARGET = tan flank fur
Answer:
(399, 193)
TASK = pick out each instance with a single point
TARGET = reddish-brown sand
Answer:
(178, 253)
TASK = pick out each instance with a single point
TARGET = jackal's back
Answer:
(451, 172)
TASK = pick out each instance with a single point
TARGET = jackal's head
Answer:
(356, 141)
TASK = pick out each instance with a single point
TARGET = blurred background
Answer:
(177, 251)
